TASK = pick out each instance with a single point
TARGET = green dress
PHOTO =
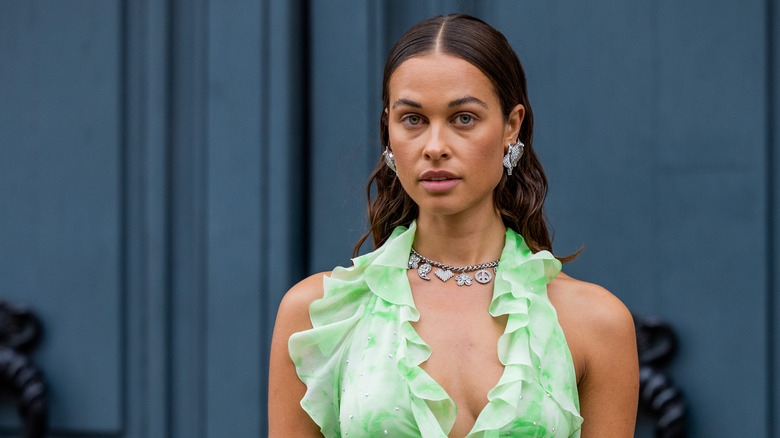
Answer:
(361, 361)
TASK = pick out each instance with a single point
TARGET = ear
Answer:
(513, 124)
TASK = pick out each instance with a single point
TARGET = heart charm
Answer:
(444, 275)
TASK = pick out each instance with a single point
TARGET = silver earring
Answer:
(513, 154)
(389, 159)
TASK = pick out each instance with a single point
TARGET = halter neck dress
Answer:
(361, 360)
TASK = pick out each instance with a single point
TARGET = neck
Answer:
(460, 240)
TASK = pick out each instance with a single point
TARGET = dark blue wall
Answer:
(169, 168)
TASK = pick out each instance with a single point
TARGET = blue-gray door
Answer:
(169, 168)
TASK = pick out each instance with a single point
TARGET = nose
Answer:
(436, 147)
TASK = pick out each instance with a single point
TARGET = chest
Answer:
(463, 336)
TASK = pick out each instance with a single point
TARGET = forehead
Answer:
(439, 77)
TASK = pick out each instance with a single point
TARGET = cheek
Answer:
(397, 143)
(492, 153)
(491, 161)
(404, 161)
(493, 170)
(404, 149)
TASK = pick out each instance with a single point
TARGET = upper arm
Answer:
(609, 386)
(286, 417)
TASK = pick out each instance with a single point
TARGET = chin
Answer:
(442, 207)
(452, 205)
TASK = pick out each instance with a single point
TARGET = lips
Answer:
(437, 175)
(438, 180)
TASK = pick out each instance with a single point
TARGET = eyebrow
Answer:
(457, 102)
(465, 100)
(406, 102)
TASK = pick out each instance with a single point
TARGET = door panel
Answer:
(60, 191)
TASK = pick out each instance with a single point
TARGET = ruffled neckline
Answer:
(520, 282)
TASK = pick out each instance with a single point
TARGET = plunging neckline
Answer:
(449, 398)
(430, 351)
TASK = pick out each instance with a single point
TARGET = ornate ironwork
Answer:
(20, 331)
(656, 345)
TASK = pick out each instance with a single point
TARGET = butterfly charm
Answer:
(413, 261)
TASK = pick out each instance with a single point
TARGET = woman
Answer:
(460, 323)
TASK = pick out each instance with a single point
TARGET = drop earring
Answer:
(513, 154)
(389, 159)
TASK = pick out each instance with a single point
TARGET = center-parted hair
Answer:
(519, 198)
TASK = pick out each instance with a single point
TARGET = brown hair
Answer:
(519, 198)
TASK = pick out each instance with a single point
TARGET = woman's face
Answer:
(447, 133)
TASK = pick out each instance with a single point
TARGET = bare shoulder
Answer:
(286, 417)
(595, 322)
(589, 306)
(600, 334)
(294, 308)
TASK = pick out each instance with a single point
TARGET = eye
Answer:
(464, 119)
(411, 120)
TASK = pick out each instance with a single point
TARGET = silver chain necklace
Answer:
(445, 271)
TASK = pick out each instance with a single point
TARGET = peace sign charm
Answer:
(483, 276)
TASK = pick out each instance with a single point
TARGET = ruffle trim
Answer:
(349, 294)
(534, 352)
(433, 409)
(317, 353)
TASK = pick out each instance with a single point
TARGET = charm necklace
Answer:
(424, 266)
